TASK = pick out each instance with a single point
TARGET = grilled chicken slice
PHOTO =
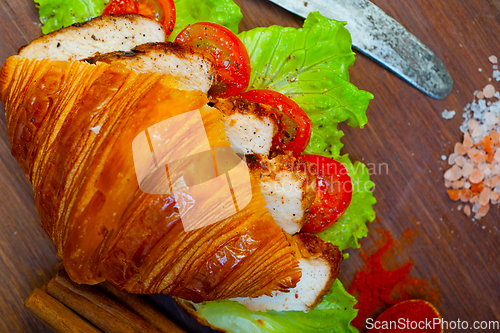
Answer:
(320, 265)
(191, 68)
(249, 126)
(100, 35)
(287, 188)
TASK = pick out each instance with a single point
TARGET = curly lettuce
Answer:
(57, 14)
(332, 315)
(223, 12)
(346, 232)
(310, 65)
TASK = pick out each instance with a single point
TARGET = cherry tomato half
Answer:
(230, 56)
(162, 11)
(333, 193)
(294, 129)
(120, 7)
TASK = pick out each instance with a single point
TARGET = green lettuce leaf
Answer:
(223, 12)
(310, 65)
(56, 14)
(332, 315)
(352, 225)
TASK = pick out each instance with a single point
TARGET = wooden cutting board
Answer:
(405, 132)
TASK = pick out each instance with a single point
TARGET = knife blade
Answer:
(381, 38)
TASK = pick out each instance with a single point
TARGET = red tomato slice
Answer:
(230, 56)
(120, 7)
(333, 193)
(162, 11)
(295, 129)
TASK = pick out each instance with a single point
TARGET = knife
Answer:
(381, 38)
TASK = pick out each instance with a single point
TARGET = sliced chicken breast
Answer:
(249, 134)
(249, 126)
(191, 68)
(100, 35)
(320, 264)
(315, 275)
(287, 188)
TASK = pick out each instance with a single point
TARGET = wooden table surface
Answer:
(405, 131)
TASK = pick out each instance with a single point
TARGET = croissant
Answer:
(72, 127)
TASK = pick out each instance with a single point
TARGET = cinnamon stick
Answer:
(142, 308)
(56, 315)
(104, 312)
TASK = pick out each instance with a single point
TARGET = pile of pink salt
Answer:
(474, 176)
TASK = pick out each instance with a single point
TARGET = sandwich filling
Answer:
(136, 43)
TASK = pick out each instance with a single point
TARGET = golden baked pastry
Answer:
(71, 127)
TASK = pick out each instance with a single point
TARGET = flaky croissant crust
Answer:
(88, 196)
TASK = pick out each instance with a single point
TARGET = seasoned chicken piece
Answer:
(319, 262)
(287, 187)
(249, 134)
(192, 68)
(102, 34)
(249, 126)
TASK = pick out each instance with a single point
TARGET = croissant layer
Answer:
(73, 127)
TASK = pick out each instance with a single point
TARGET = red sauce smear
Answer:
(376, 287)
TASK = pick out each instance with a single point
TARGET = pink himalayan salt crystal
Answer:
(467, 169)
(494, 196)
(494, 136)
(489, 91)
(474, 199)
(477, 132)
(453, 173)
(476, 176)
(483, 166)
(484, 196)
(493, 59)
(460, 161)
(460, 149)
(490, 119)
(487, 181)
(468, 143)
(452, 158)
(497, 155)
(457, 184)
(483, 210)
(464, 198)
(472, 123)
(467, 210)
(447, 183)
(495, 170)
(495, 181)
(477, 155)
(480, 95)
